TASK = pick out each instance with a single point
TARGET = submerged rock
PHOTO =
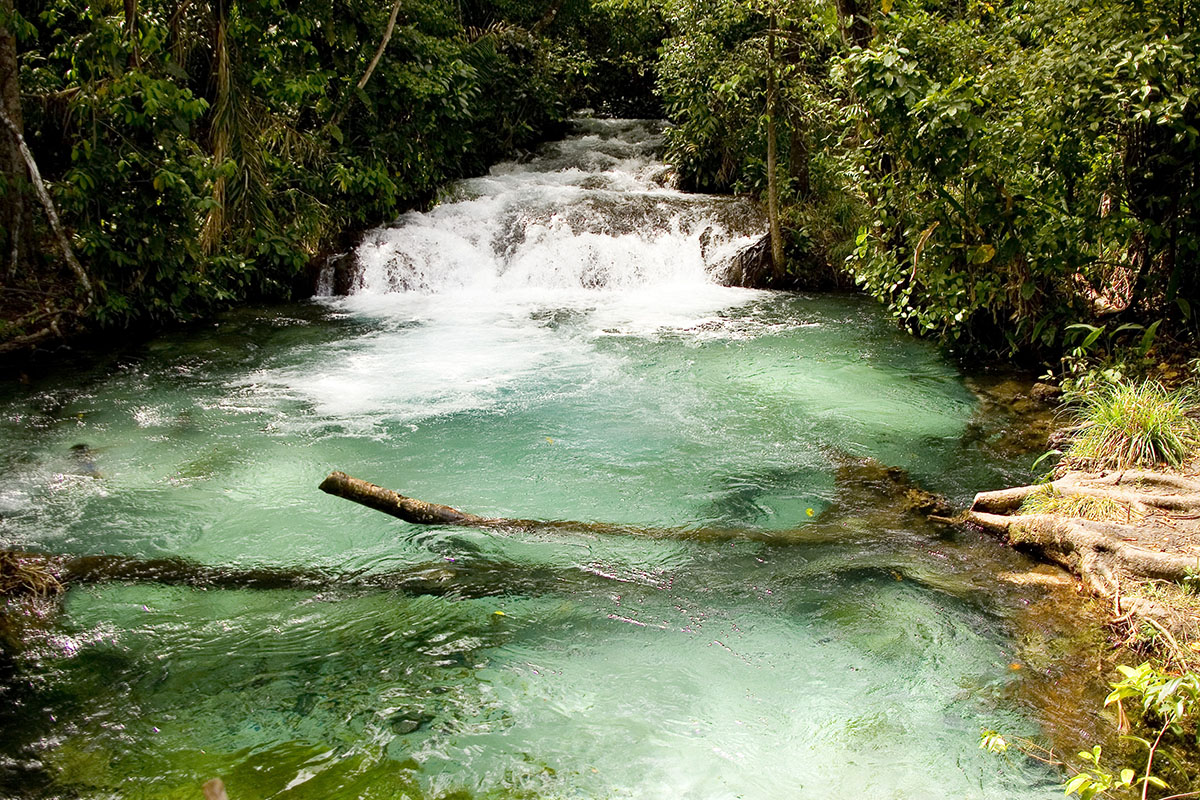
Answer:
(752, 267)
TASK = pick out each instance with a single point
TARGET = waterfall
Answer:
(595, 211)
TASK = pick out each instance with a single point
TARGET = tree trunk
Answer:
(36, 574)
(777, 257)
(48, 204)
(131, 32)
(854, 22)
(221, 130)
(417, 512)
(336, 119)
(383, 43)
(420, 512)
(15, 218)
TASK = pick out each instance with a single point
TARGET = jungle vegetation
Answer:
(1001, 174)
(202, 153)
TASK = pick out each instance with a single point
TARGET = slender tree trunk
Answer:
(853, 19)
(383, 43)
(14, 212)
(48, 204)
(777, 259)
(221, 131)
(131, 32)
(336, 119)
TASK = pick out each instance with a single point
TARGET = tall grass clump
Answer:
(1123, 425)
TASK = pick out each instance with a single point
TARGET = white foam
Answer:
(588, 213)
(507, 285)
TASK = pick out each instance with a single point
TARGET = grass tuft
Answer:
(1098, 509)
(1124, 425)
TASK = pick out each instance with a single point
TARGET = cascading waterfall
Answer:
(592, 212)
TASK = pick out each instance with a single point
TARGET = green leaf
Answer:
(1148, 338)
(983, 254)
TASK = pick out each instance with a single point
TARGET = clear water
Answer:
(548, 343)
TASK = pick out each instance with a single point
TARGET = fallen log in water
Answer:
(866, 475)
(406, 508)
(420, 512)
(25, 574)
(40, 575)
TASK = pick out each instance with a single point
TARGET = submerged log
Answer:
(867, 474)
(25, 574)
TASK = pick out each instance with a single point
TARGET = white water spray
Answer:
(593, 212)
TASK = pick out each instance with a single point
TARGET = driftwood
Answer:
(1155, 535)
(864, 483)
(891, 482)
(39, 574)
(420, 512)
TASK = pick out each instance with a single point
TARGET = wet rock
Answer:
(1046, 393)
(1009, 418)
(407, 722)
(892, 485)
(85, 461)
(754, 268)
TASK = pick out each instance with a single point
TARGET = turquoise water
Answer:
(846, 649)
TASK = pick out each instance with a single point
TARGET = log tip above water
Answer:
(408, 509)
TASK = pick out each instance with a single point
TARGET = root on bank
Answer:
(1116, 531)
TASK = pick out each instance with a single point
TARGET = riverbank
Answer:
(1131, 537)
(1121, 510)
(1121, 513)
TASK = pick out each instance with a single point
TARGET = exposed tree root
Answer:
(23, 575)
(1159, 538)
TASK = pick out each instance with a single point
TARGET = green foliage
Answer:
(1001, 170)
(1096, 356)
(1095, 780)
(206, 156)
(1124, 425)
(1169, 703)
